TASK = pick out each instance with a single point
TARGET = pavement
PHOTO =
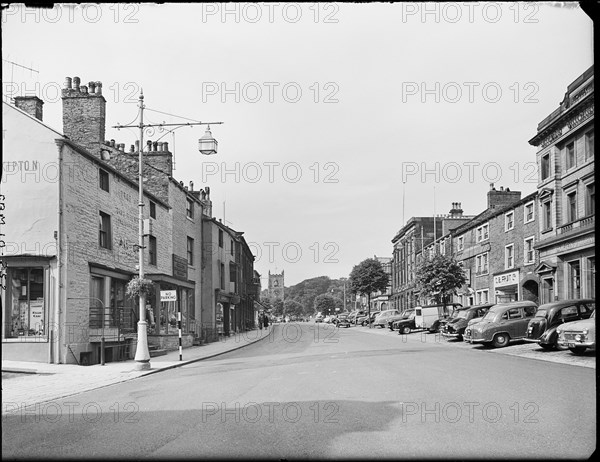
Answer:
(515, 348)
(26, 384)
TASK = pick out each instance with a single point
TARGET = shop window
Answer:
(570, 156)
(190, 251)
(591, 277)
(152, 209)
(25, 302)
(529, 212)
(104, 233)
(529, 252)
(97, 302)
(152, 250)
(104, 178)
(590, 199)
(122, 312)
(545, 166)
(574, 288)
(589, 144)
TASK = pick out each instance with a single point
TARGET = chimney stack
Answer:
(32, 105)
(84, 114)
(500, 198)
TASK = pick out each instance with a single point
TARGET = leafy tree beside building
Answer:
(439, 278)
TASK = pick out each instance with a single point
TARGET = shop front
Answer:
(169, 298)
(27, 301)
(506, 286)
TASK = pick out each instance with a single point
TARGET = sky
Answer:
(340, 120)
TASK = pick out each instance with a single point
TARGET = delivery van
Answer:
(429, 316)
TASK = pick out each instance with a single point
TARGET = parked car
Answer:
(342, 320)
(354, 315)
(429, 316)
(406, 323)
(542, 328)
(319, 317)
(396, 317)
(578, 336)
(455, 326)
(367, 319)
(382, 318)
(501, 324)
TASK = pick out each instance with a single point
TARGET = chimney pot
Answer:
(191, 185)
(160, 145)
(112, 143)
(166, 146)
(83, 89)
(68, 82)
(99, 88)
(132, 148)
(155, 146)
(76, 82)
(92, 87)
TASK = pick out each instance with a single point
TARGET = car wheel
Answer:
(500, 340)
(406, 330)
(548, 346)
(578, 350)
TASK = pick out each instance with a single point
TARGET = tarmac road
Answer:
(312, 391)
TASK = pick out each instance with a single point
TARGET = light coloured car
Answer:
(578, 336)
(501, 324)
(382, 318)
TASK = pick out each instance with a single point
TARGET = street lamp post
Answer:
(207, 145)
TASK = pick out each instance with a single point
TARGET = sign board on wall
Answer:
(506, 279)
(168, 295)
(180, 267)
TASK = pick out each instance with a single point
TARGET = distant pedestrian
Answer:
(260, 321)
(266, 318)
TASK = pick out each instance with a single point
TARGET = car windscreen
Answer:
(463, 314)
(540, 314)
(489, 316)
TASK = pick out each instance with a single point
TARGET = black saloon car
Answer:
(542, 328)
(455, 327)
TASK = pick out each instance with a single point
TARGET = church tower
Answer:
(276, 285)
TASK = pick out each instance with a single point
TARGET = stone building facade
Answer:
(72, 237)
(566, 187)
(409, 242)
(496, 250)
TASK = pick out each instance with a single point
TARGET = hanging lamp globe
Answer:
(207, 145)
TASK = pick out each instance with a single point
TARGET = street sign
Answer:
(168, 295)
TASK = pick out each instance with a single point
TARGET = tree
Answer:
(277, 307)
(325, 304)
(368, 277)
(293, 308)
(439, 277)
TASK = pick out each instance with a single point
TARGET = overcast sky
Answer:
(327, 108)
